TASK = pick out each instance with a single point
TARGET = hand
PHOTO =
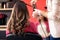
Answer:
(36, 13)
(33, 2)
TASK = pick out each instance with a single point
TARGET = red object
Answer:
(1, 16)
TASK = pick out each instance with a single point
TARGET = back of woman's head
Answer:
(21, 8)
(19, 17)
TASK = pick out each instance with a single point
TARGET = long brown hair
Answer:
(19, 18)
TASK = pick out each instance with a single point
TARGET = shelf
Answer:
(6, 9)
(3, 27)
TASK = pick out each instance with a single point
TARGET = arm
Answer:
(38, 12)
(43, 13)
(57, 17)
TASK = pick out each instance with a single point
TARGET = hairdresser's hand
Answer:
(36, 13)
(33, 2)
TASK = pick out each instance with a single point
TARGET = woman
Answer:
(19, 26)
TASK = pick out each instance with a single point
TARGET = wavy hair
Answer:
(19, 18)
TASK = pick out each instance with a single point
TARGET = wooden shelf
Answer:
(6, 9)
(3, 27)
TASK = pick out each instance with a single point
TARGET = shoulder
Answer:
(31, 23)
